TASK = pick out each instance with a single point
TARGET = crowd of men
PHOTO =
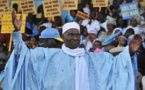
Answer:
(104, 31)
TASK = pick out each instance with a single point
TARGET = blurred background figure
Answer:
(50, 38)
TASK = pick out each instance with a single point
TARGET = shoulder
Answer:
(100, 54)
(96, 21)
(41, 51)
(85, 22)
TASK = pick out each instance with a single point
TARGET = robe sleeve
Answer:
(22, 64)
(19, 45)
(115, 73)
(123, 71)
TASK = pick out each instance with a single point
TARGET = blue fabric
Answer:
(83, 37)
(69, 18)
(2, 74)
(135, 69)
(111, 38)
(143, 44)
(34, 29)
(52, 69)
(28, 25)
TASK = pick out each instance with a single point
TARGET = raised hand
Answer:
(135, 44)
(17, 23)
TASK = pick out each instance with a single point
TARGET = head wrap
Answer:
(126, 29)
(130, 38)
(123, 37)
(116, 30)
(137, 17)
(97, 40)
(47, 25)
(70, 25)
(111, 20)
(91, 29)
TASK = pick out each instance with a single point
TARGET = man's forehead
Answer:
(72, 30)
(70, 26)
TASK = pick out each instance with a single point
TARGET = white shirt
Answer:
(95, 24)
(137, 30)
(86, 10)
(88, 45)
(104, 25)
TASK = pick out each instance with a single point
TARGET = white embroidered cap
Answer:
(70, 25)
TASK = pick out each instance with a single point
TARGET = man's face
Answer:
(110, 27)
(92, 15)
(97, 45)
(72, 38)
(48, 42)
(101, 18)
(92, 36)
(120, 22)
(85, 33)
(73, 14)
(128, 33)
(122, 42)
(133, 22)
(33, 41)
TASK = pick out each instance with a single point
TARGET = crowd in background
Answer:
(104, 31)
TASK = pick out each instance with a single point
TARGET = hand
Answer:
(135, 44)
(17, 23)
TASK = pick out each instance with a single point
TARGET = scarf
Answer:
(98, 50)
(81, 73)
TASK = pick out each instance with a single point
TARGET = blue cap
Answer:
(51, 33)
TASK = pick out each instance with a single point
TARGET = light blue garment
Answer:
(2, 74)
(52, 69)
(111, 38)
(135, 69)
(143, 44)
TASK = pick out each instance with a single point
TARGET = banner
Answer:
(100, 3)
(142, 4)
(4, 8)
(5, 5)
(82, 15)
(7, 26)
(28, 7)
(16, 3)
(51, 8)
(69, 4)
(129, 10)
